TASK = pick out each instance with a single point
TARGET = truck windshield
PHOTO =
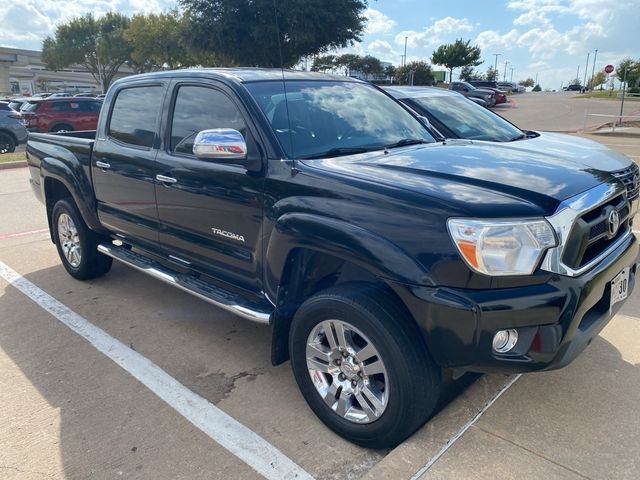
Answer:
(332, 118)
(465, 119)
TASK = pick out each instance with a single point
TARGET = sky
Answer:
(550, 38)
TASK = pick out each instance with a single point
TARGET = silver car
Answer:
(12, 132)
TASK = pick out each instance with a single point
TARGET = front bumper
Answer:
(555, 320)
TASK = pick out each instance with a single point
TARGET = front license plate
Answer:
(620, 286)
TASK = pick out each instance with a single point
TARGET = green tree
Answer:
(348, 61)
(322, 63)
(245, 32)
(469, 73)
(156, 41)
(98, 44)
(390, 72)
(529, 82)
(492, 74)
(369, 65)
(456, 54)
(598, 79)
(537, 88)
(633, 72)
(419, 70)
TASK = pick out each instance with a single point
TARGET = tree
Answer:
(537, 88)
(245, 32)
(348, 61)
(492, 74)
(419, 70)
(369, 65)
(156, 41)
(322, 63)
(633, 72)
(469, 73)
(97, 44)
(456, 54)
(598, 79)
(529, 82)
(390, 72)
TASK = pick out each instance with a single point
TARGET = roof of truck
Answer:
(245, 74)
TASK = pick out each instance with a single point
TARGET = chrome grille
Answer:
(631, 179)
(590, 235)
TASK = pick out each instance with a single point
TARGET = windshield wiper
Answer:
(337, 152)
(404, 142)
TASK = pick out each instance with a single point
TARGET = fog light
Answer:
(505, 340)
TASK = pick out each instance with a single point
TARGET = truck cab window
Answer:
(134, 115)
(201, 108)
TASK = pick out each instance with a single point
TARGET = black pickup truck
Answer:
(319, 205)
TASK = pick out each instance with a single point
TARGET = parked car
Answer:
(41, 95)
(576, 87)
(484, 84)
(469, 90)
(61, 115)
(17, 103)
(59, 95)
(507, 87)
(12, 132)
(454, 117)
(321, 206)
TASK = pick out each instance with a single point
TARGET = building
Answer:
(22, 72)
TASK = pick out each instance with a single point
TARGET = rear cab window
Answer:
(134, 115)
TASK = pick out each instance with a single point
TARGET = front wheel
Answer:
(362, 365)
(76, 243)
(7, 143)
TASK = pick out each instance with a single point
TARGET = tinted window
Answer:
(29, 107)
(465, 119)
(201, 108)
(134, 115)
(15, 105)
(4, 106)
(330, 118)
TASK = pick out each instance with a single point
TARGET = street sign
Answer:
(608, 69)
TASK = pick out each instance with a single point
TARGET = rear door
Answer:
(211, 212)
(123, 162)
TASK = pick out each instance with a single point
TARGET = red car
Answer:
(61, 114)
(501, 97)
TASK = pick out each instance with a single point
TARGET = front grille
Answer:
(631, 179)
(590, 235)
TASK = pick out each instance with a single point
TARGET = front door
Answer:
(210, 212)
(124, 166)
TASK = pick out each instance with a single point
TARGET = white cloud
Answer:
(492, 39)
(378, 22)
(432, 35)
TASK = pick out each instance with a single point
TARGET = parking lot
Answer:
(124, 400)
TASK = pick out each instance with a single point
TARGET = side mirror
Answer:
(220, 144)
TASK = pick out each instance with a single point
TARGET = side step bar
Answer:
(190, 284)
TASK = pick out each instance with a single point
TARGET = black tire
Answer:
(92, 263)
(7, 143)
(414, 379)
(61, 127)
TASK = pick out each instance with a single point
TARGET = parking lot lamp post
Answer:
(593, 69)
(511, 79)
(504, 77)
(495, 67)
(624, 85)
(586, 67)
(405, 52)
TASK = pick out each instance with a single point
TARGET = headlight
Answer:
(502, 247)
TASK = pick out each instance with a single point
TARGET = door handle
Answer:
(165, 179)
(102, 165)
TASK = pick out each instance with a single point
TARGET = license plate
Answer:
(620, 287)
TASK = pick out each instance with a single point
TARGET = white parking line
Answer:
(244, 443)
(421, 471)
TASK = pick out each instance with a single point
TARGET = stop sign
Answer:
(608, 69)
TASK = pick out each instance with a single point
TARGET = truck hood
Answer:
(478, 176)
(580, 150)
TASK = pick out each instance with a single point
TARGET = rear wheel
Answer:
(76, 243)
(362, 365)
(7, 143)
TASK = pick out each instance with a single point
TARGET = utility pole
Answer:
(624, 85)
(496, 64)
(511, 80)
(584, 83)
(593, 70)
(504, 77)
(578, 74)
(405, 52)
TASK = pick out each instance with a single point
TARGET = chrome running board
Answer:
(206, 291)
